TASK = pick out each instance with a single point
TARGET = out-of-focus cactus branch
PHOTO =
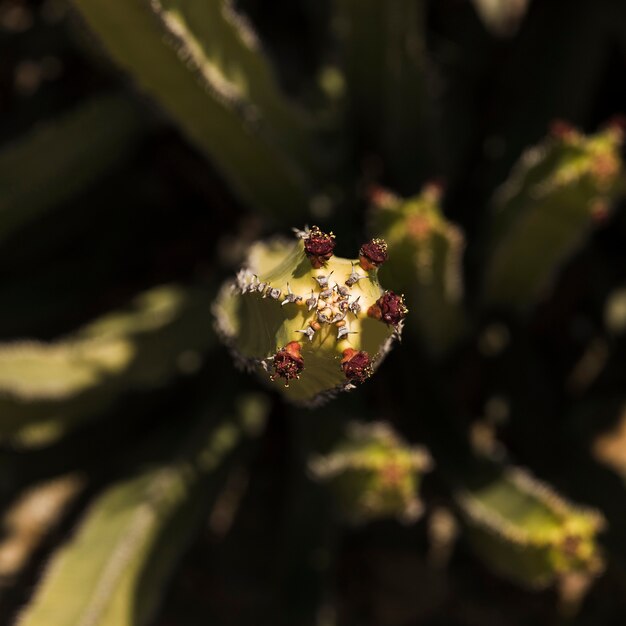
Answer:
(425, 263)
(46, 389)
(554, 197)
(206, 66)
(132, 535)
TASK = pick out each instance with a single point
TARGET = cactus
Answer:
(48, 389)
(134, 532)
(316, 323)
(555, 195)
(206, 66)
(426, 253)
(374, 473)
(308, 112)
(525, 531)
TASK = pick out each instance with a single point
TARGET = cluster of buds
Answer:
(374, 473)
(314, 322)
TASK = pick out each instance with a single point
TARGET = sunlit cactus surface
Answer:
(314, 323)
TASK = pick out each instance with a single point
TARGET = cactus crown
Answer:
(316, 323)
(374, 473)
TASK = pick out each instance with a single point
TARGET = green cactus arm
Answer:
(425, 263)
(527, 532)
(47, 389)
(112, 570)
(555, 195)
(374, 473)
(206, 70)
(383, 49)
(56, 161)
(278, 298)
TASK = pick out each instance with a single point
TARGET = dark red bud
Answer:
(389, 308)
(288, 362)
(356, 365)
(319, 246)
(373, 254)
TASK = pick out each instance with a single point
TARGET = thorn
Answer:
(355, 307)
(290, 297)
(322, 281)
(301, 234)
(344, 332)
(309, 332)
(311, 302)
(353, 278)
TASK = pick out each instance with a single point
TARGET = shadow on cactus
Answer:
(311, 323)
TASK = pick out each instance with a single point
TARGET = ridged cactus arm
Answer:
(314, 322)
(46, 389)
(554, 197)
(526, 531)
(383, 49)
(131, 537)
(231, 46)
(207, 70)
(374, 473)
(425, 262)
(59, 159)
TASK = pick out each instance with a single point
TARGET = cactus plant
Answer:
(317, 323)
(374, 473)
(426, 253)
(144, 147)
(557, 192)
(527, 532)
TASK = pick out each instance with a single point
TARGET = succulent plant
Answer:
(145, 144)
(426, 263)
(312, 323)
(374, 473)
(524, 530)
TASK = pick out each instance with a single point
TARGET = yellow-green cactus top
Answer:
(311, 322)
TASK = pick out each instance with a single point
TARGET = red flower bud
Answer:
(373, 254)
(356, 365)
(389, 308)
(318, 246)
(288, 362)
